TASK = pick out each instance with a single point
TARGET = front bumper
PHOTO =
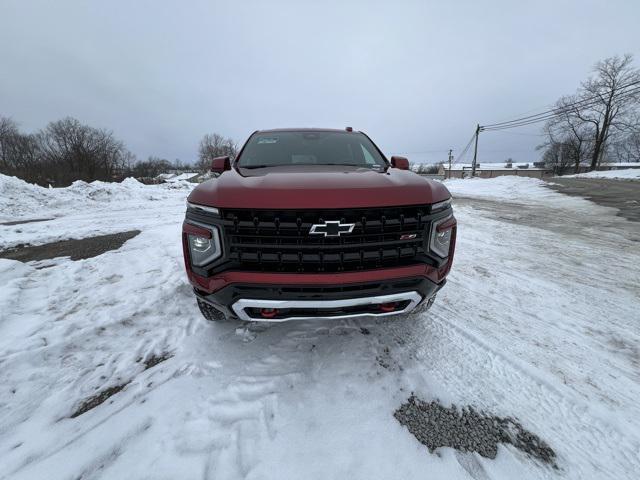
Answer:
(283, 310)
(336, 301)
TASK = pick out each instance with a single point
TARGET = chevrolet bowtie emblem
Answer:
(331, 229)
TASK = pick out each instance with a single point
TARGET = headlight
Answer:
(438, 207)
(440, 237)
(204, 249)
(203, 208)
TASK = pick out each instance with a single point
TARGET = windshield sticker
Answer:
(267, 140)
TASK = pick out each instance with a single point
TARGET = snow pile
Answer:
(624, 174)
(518, 192)
(499, 188)
(512, 189)
(181, 177)
(20, 200)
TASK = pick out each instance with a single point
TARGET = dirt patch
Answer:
(468, 430)
(74, 249)
(154, 360)
(21, 222)
(98, 399)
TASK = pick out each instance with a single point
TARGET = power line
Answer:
(560, 110)
(624, 91)
(520, 133)
(549, 114)
(552, 115)
(584, 102)
(465, 149)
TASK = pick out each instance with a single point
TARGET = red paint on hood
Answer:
(317, 186)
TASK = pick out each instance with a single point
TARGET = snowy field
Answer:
(540, 321)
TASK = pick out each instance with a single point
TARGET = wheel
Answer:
(209, 312)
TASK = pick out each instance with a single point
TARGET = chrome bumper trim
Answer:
(240, 306)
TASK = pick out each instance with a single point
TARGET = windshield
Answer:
(270, 149)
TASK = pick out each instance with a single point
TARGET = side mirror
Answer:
(221, 164)
(400, 162)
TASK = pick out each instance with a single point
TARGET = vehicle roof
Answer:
(274, 130)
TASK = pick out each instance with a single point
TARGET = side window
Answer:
(368, 158)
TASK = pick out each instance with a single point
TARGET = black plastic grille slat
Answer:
(279, 240)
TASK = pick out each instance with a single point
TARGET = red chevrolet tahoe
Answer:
(315, 223)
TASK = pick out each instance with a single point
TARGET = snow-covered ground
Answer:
(623, 174)
(539, 321)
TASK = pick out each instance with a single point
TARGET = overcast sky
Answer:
(415, 75)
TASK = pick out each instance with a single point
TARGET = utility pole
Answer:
(450, 158)
(475, 152)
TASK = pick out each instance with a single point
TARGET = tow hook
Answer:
(387, 307)
(268, 312)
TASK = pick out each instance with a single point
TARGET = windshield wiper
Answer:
(259, 166)
(347, 164)
(362, 165)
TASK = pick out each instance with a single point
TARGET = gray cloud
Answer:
(416, 76)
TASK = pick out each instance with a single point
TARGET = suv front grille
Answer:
(279, 240)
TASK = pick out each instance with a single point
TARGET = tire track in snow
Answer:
(580, 436)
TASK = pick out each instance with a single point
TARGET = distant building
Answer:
(618, 166)
(529, 169)
(490, 170)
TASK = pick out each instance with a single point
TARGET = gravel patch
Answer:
(74, 249)
(468, 430)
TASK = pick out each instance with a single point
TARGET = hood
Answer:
(317, 186)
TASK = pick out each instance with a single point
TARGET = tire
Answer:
(210, 313)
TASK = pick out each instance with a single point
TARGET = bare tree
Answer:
(609, 102)
(627, 149)
(152, 167)
(19, 153)
(569, 139)
(214, 145)
(8, 134)
(64, 151)
(73, 151)
(604, 110)
(561, 156)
